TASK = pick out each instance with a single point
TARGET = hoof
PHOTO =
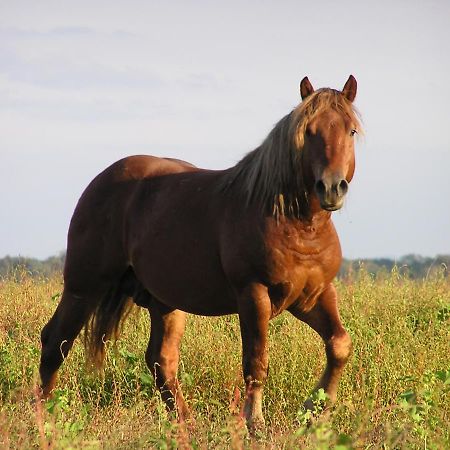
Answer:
(43, 393)
(189, 423)
(317, 403)
(256, 426)
(311, 414)
(183, 416)
(318, 406)
(309, 405)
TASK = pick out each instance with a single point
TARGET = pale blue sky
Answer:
(84, 83)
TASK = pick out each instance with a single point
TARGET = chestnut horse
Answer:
(254, 240)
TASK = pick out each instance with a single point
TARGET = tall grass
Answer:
(394, 393)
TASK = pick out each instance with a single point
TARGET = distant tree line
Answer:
(412, 266)
(10, 265)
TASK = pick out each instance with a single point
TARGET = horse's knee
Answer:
(47, 330)
(152, 362)
(168, 365)
(339, 348)
(162, 365)
(45, 334)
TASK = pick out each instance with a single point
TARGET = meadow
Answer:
(395, 392)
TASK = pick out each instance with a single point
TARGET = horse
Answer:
(255, 240)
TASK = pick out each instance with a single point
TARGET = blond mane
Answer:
(314, 105)
(271, 174)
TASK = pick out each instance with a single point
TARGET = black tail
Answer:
(105, 323)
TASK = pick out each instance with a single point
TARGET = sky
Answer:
(85, 83)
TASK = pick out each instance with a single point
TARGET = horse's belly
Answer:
(195, 298)
(216, 306)
(191, 283)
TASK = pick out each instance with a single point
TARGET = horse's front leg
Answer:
(324, 318)
(254, 314)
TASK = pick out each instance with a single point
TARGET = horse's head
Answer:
(327, 128)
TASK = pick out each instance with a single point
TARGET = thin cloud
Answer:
(68, 31)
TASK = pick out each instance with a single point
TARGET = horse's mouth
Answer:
(332, 206)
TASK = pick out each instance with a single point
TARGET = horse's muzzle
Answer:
(331, 192)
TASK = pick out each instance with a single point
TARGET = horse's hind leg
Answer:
(58, 335)
(324, 318)
(163, 353)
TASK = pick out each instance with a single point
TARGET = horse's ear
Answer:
(306, 88)
(349, 90)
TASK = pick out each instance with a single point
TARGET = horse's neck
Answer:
(313, 218)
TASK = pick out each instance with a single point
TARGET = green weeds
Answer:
(395, 392)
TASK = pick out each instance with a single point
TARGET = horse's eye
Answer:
(353, 132)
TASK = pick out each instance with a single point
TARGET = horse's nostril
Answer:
(342, 187)
(320, 187)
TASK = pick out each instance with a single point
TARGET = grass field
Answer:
(395, 392)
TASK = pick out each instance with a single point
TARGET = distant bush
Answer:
(411, 266)
(34, 267)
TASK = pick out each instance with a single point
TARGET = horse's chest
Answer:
(300, 264)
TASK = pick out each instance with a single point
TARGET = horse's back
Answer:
(139, 167)
(95, 239)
